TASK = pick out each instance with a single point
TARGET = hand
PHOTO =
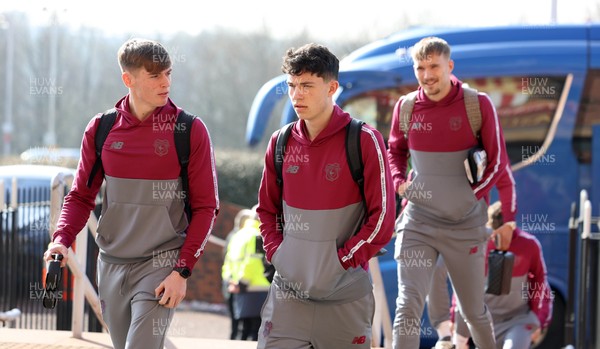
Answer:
(173, 290)
(536, 336)
(233, 288)
(402, 188)
(505, 233)
(56, 248)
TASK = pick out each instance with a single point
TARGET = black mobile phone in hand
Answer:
(53, 277)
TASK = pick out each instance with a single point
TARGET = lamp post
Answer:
(7, 126)
(50, 137)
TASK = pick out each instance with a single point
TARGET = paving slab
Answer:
(47, 339)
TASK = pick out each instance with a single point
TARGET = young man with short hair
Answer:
(445, 214)
(318, 231)
(147, 245)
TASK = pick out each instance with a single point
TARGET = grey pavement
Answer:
(194, 325)
(189, 329)
(47, 339)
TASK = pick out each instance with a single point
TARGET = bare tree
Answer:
(216, 75)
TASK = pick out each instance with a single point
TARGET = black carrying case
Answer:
(500, 267)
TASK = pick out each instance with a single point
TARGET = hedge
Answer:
(239, 175)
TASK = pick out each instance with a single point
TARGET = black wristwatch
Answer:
(185, 272)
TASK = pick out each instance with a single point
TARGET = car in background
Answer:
(30, 176)
(51, 155)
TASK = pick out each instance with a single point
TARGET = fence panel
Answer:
(23, 239)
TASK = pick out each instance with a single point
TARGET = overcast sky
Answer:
(321, 18)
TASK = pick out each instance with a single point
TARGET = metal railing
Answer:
(23, 217)
(27, 215)
(581, 316)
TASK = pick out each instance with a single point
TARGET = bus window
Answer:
(526, 107)
(588, 115)
(376, 107)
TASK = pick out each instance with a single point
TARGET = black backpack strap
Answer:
(280, 143)
(354, 154)
(182, 134)
(107, 121)
(282, 138)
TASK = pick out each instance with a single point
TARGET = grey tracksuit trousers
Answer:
(129, 307)
(443, 217)
(438, 299)
(417, 253)
(293, 323)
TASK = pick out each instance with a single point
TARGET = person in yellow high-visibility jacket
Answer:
(244, 271)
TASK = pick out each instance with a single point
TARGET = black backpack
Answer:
(182, 128)
(353, 152)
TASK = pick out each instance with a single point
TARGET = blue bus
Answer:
(545, 84)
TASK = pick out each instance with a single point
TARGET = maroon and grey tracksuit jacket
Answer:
(317, 254)
(142, 213)
(442, 137)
